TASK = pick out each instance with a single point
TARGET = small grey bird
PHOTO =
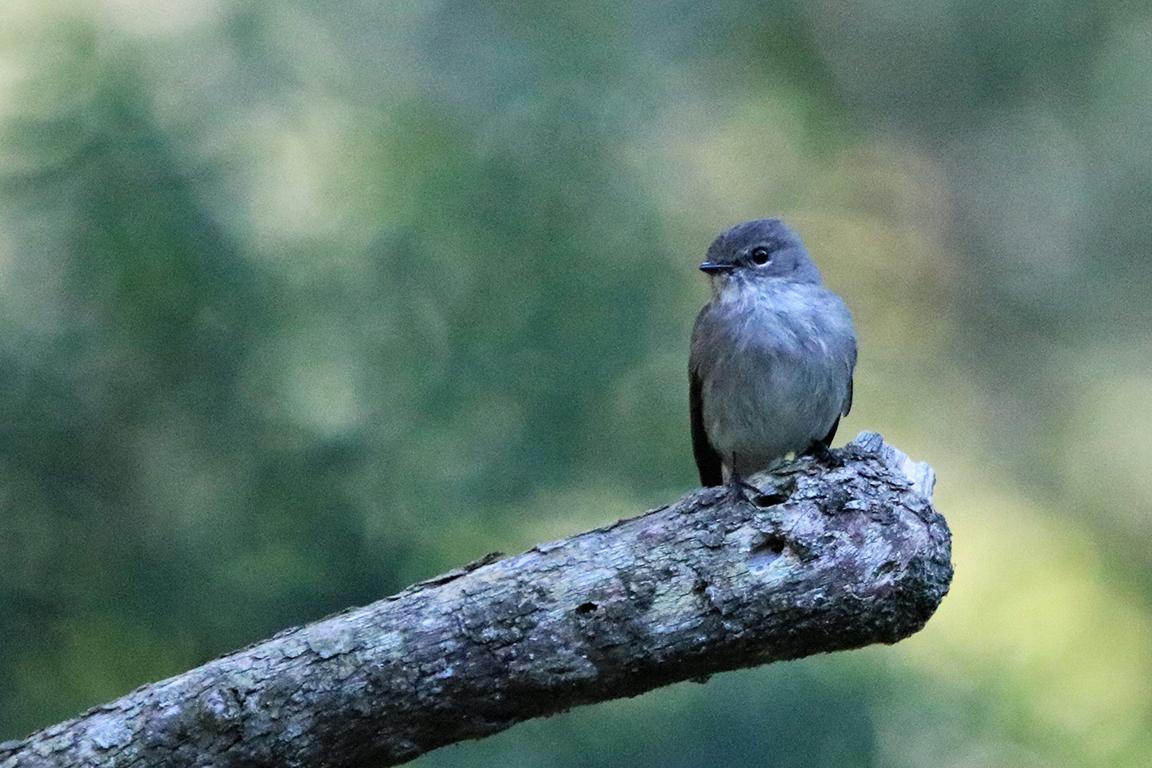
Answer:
(772, 355)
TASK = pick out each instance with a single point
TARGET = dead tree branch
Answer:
(836, 557)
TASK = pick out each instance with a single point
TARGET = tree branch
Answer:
(838, 557)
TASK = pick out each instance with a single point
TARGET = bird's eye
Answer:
(760, 256)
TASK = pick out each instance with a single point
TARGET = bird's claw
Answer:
(825, 455)
(742, 490)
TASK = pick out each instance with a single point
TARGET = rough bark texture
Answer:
(838, 557)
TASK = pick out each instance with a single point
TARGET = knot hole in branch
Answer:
(766, 551)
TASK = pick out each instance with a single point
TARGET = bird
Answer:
(772, 356)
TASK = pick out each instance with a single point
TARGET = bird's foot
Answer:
(823, 454)
(740, 490)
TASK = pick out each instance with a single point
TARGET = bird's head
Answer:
(756, 252)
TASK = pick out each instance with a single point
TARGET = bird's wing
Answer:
(828, 438)
(707, 460)
(851, 368)
(847, 407)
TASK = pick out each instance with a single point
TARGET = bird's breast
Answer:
(774, 371)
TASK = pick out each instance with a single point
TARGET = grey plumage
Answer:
(772, 354)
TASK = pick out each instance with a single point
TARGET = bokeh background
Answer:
(303, 301)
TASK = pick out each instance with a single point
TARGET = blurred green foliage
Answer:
(302, 302)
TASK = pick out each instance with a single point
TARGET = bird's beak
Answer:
(713, 267)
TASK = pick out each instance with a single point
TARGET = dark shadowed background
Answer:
(303, 301)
